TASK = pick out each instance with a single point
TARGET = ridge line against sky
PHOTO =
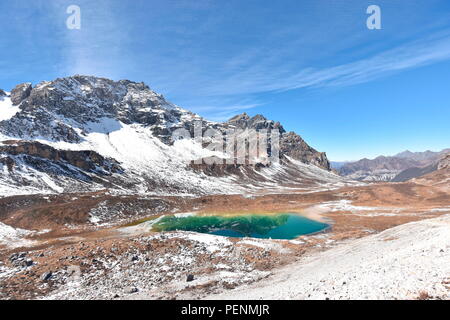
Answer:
(291, 62)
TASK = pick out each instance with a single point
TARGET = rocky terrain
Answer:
(405, 262)
(52, 249)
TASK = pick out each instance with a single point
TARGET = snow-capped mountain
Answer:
(85, 133)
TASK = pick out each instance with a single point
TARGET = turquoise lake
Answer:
(278, 226)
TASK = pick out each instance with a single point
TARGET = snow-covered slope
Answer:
(13, 237)
(7, 110)
(127, 124)
(404, 262)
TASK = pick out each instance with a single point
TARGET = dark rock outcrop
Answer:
(46, 276)
(190, 278)
(2, 93)
(89, 161)
(258, 122)
(292, 145)
(20, 93)
(444, 163)
(8, 162)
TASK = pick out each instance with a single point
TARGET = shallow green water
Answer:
(280, 226)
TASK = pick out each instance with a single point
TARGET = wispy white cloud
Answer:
(192, 71)
(263, 78)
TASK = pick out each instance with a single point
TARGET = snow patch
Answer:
(7, 110)
(14, 237)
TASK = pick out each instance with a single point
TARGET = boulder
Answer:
(46, 276)
(131, 290)
(27, 263)
(190, 278)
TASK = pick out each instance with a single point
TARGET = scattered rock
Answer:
(27, 263)
(17, 256)
(46, 276)
(131, 290)
(190, 278)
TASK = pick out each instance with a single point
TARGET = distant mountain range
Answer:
(400, 167)
(439, 178)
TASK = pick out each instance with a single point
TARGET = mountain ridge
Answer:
(127, 122)
(400, 167)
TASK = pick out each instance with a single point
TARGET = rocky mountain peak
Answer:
(67, 108)
(2, 93)
(291, 144)
(420, 156)
(404, 154)
(258, 122)
(70, 109)
(20, 93)
(239, 120)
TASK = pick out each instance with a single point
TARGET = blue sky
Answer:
(312, 65)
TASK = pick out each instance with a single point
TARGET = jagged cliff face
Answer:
(68, 109)
(89, 161)
(88, 133)
(444, 163)
(291, 144)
